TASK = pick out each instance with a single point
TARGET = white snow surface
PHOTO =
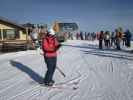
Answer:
(102, 74)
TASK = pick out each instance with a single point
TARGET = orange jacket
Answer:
(119, 35)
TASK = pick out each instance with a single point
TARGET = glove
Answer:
(58, 46)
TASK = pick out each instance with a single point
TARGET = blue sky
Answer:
(91, 15)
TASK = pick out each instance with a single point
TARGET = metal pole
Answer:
(2, 37)
(27, 38)
(62, 73)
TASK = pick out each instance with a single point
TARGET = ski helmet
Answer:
(51, 32)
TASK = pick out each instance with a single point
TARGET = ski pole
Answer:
(62, 73)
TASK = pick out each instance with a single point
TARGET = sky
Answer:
(91, 15)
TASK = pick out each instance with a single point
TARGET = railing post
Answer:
(2, 37)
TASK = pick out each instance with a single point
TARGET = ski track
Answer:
(101, 75)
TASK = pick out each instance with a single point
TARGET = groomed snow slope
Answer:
(102, 74)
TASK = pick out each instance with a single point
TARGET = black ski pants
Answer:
(51, 66)
(100, 44)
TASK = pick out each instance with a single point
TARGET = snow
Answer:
(102, 74)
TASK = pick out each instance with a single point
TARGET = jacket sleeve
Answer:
(57, 44)
(43, 45)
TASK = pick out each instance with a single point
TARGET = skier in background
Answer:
(50, 45)
(100, 38)
(118, 39)
(124, 39)
(107, 39)
(128, 37)
(113, 39)
(77, 35)
(81, 36)
(34, 37)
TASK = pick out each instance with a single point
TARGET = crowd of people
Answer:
(86, 36)
(114, 39)
(106, 39)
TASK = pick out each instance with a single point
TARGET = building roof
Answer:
(11, 23)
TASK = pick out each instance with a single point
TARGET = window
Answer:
(10, 34)
(68, 26)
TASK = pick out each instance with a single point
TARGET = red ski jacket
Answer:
(49, 46)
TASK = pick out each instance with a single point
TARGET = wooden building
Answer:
(63, 29)
(12, 35)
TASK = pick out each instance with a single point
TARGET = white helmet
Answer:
(51, 32)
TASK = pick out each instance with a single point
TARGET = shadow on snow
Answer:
(36, 77)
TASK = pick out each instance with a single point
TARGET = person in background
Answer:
(100, 38)
(34, 37)
(77, 35)
(107, 39)
(88, 35)
(113, 39)
(81, 36)
(124, 39)
(71, 36)
(128, 37)
(118, 39)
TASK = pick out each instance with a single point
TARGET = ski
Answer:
(71, 84)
